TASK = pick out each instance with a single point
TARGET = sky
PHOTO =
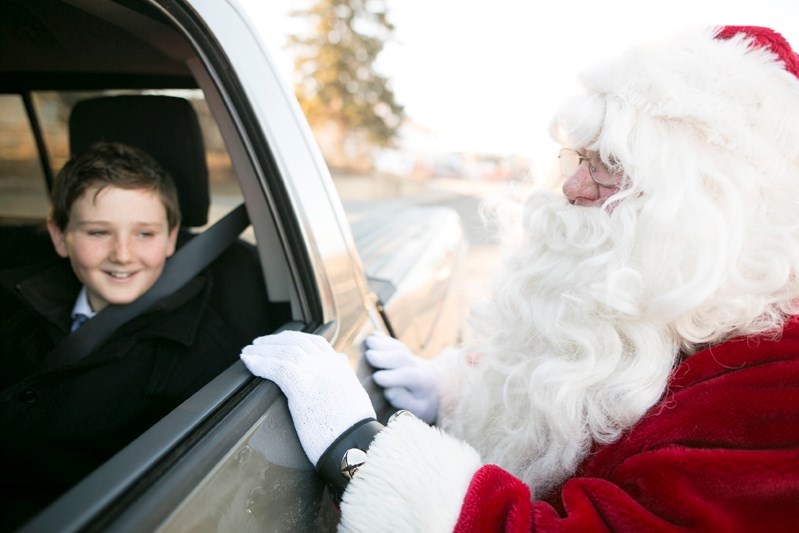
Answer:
(486, 76)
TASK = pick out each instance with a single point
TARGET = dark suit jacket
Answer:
(60, 424)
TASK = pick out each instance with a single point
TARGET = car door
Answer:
(228, 456)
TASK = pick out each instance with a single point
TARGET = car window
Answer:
(23, 186)
(23, 189)
(234, 277)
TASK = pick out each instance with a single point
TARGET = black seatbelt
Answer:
(190, 260)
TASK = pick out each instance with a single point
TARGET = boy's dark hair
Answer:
(115, 165)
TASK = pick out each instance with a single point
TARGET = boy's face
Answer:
(117, 241)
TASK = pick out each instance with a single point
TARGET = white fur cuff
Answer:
(415, 479)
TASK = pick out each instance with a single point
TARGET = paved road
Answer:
(472, 282)
(464, 196)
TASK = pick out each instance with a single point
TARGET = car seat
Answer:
(165, 127)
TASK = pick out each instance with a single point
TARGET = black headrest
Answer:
(165, 127)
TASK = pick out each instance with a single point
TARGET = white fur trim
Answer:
(415, 479)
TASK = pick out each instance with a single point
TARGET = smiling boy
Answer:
(113, 223)
(115, 216)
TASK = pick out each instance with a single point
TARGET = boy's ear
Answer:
(173, 239)
(57, 236)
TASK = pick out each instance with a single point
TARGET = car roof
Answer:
(55, 45)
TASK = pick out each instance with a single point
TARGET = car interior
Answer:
(123, 91)
(176, 143)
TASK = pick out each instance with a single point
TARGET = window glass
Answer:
(52, 110)
(23, 190)
(225, 191)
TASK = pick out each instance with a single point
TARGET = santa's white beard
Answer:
(588, 317)
(573, 353)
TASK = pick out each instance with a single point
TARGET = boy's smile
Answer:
(118, 241)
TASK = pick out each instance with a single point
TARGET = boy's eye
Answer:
(97, 232)
(146, 234)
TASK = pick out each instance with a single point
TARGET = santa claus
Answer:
(638, 361)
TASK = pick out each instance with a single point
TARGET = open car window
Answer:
(252, 289)
(237, 275)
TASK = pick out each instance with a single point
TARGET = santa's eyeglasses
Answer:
(570, 160)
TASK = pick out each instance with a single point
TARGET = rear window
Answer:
(23, 183)
(23, 189)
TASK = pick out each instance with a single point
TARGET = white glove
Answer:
(409, 381)
(324, 395)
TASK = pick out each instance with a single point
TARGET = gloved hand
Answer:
(324, 395)
(409, 381)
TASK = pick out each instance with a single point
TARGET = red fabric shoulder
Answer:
(737, 353)
(495, 501)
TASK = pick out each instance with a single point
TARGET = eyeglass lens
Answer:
(570, 160)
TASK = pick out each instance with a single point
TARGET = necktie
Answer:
(78, 320)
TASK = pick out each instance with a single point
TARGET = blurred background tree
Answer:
(348, 103)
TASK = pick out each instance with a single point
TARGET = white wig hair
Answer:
(595, 307)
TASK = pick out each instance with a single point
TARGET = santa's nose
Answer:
(579, 187)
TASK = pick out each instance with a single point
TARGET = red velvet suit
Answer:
(719, 452)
